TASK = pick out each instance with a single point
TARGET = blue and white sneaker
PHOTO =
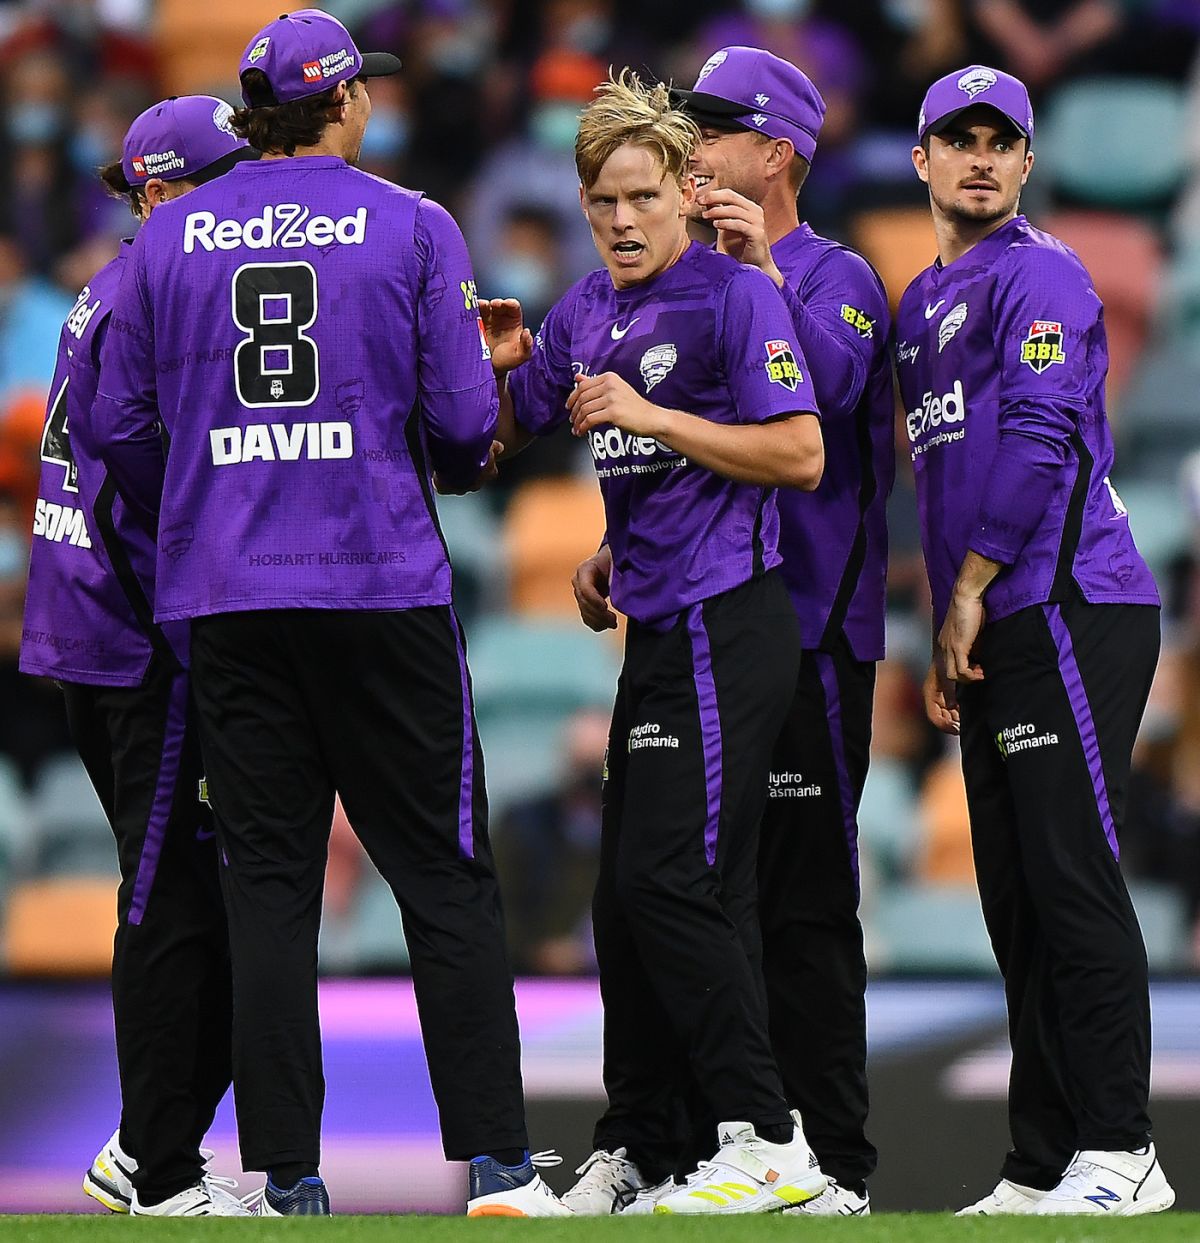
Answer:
(1113, 1184)
(513, 1190)
(308, 1198)
(110, 1178)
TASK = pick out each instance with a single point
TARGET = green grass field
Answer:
(884, 1228)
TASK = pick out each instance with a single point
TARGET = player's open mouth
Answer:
(980, 185)
(702, 180)
(628, 252)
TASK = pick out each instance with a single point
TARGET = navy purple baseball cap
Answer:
(184, 136)
(751, 89)
(969, 88)
(305, 53)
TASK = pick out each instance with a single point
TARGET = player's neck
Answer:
(956, 236)
(327, 146)
(780, 215)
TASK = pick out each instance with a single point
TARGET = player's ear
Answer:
(583, 199)
(920, 159)
(1028, 165)
(687, 193)
(154, 192)
(779, 158)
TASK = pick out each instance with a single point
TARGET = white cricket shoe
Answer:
(1117, 1184)
(834, 1201)
(749, 1175)
(202, 1199)
(608, 1182)
(513, 1190)
(109, 1180)
(1006, 1199)
(645, 1200)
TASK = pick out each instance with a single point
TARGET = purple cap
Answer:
(748, 88)
(970, 87)
(305, 53)
(184, 136)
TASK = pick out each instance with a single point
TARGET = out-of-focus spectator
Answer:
(547, 852)
(1041, 40)
(539, 167)
(32, 311)
(388, 139)
(37, 186)
(528, 263)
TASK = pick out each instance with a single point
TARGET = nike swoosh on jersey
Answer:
(931, 311)
(618, 333)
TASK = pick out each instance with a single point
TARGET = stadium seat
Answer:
(477, 553)
(16, 831)
(930, 928)
(369, 939)
(72, 833)
(898, 241)
(1137, 171)
(1158, 519)
(1124, 258)
(62, 926)
(529, 677)
(551, 525)
(199, 45)
(1159, 420)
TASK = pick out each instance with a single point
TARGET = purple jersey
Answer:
(1002, 360)
(834, 540)
(310, 336)
(707, 336)
(84, 620)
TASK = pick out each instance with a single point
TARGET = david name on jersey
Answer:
(280, 442)
(281, 224)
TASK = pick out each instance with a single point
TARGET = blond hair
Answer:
(626, 111)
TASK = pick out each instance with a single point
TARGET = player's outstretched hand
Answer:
(941, 700)
(741, 229)
(607, 399)
(590, 585)
(489, 472)
(509, 340)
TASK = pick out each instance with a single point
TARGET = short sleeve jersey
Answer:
(309, 336)
(1002, 359)
(708, 336)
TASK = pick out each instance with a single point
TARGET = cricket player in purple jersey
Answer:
(308, 336)
(679, 366)
(759, 119)
(88, 625)
(1047, 626)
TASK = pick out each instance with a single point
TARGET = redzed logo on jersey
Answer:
(1042, 348)
(781, 365)
(312, 70)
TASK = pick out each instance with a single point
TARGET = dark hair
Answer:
(117, 184)
(283, 127)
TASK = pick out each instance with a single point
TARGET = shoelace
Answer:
(599, 1158)
(546, 1159)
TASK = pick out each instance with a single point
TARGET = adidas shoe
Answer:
(513, 1190)
(1116, 1184)
(608, 1183)
(1007, 1198)
(202, 1199)
(749, 1175)
(308, 1198)
(643, 1203)
(109, 1180)
(835, 1201)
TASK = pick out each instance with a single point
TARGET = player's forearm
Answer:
(974, 577)
(135, 463)
(787, 453)
(509, 432)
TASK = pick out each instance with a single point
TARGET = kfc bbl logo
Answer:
(1043, 347)
(277, 389)
(781, 365)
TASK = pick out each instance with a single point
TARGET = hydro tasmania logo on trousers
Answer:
(280, 224)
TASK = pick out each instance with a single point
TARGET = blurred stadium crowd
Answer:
(483, 119)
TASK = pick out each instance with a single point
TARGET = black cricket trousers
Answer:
(699, 705)
(1047, 740)
(170, 977)
(375, 705)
